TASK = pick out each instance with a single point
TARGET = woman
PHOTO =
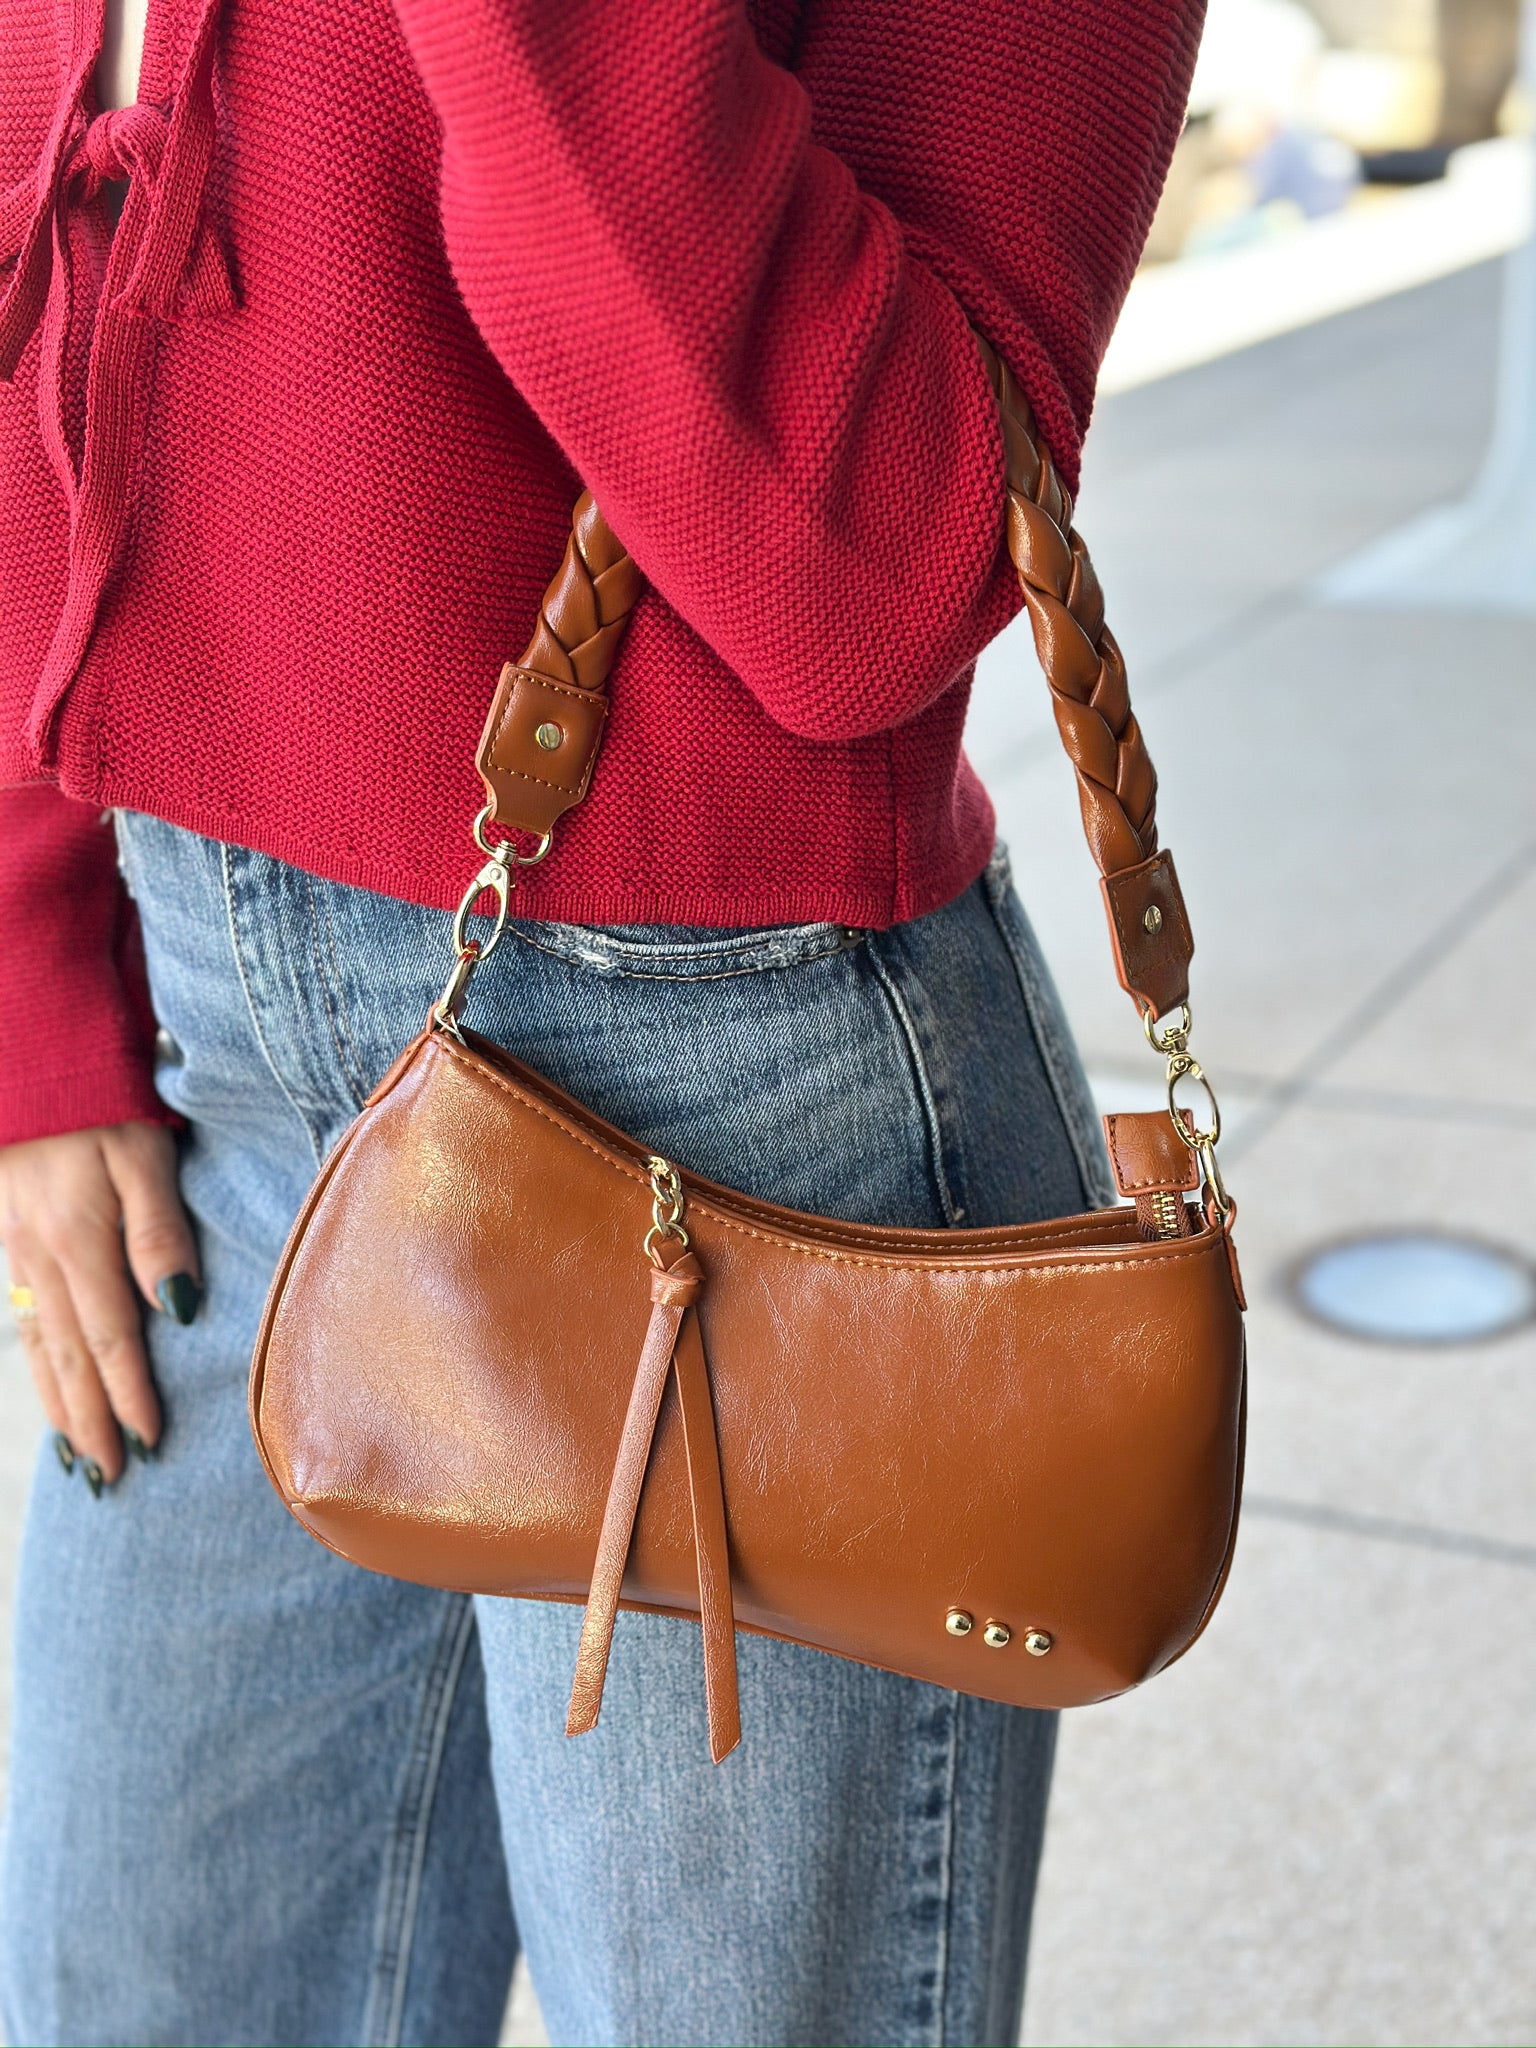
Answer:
(309, 346)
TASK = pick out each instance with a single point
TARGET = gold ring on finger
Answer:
(24, 1304)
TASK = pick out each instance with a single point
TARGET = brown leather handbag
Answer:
(1006, 1461)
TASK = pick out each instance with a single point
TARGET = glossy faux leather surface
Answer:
(1148, 1156)
(1041, 1426)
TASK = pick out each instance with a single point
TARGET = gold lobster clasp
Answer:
(1172, 1042)
(499, 876)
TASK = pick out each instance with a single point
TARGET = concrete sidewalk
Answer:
(1322, 1826)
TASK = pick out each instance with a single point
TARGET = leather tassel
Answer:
(672, 1345)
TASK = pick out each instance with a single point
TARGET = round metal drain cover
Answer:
(1416, 1287)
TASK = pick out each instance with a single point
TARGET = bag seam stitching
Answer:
(1202, 1248)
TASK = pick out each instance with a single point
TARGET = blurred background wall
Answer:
(1301, 107)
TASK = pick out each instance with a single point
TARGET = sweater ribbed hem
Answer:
(118, 1090)
(670, 895)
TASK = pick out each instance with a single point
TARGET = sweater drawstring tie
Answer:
(95, 301)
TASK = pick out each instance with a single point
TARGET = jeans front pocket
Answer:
(658, 952)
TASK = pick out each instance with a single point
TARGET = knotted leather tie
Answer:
(672, 1345)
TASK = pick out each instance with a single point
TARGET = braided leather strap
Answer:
(587, 605)
(1116, 782)
(546, 719)
(1117, 785)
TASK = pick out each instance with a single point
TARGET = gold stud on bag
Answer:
(584, 1324)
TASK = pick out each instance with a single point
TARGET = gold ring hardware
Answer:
(1215, 1186)
(504, 849)
(958, 1622)
(1038, 1642)
(1183, 1066)
(1172, 1042)
(1201, 1139)
(499, 879)
(667, 1200)
(549, 735)
(997, 1635)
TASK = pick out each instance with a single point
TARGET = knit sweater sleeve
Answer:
(76, 1031)
(737, 292)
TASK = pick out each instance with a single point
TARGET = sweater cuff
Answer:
(76, 1027)
(118, 1090)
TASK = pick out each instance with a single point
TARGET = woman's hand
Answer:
(79, 1214)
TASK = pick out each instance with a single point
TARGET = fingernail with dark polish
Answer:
(180, 1297)
(137, 1448)
(64, 1450)
(93, 1476)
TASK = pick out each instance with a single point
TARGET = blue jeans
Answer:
(260, 1795)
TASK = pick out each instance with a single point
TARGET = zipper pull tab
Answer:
(1155, 1168)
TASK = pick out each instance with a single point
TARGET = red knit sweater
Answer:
(287, 460)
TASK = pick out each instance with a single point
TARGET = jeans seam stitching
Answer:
(325, 936)
(396, 1924)
(932, 1124)
(996, 874)
(227, 876)
(947, 1900)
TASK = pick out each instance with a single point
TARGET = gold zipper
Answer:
(1165, 1206)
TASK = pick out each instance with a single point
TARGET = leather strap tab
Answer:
(1149, 931)
(622, 1506)
(672, 1343)
(678, 1285)
(538, 748)
(545, 725)
(1148, 1155)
